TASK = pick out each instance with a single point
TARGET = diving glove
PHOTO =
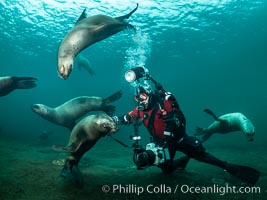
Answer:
(115, 119)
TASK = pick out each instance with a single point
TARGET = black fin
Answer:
(121, 18)
(82, 16)
(245, 173)
(113, 97)
(208, 111)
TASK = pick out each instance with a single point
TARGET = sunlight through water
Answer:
(30, 22)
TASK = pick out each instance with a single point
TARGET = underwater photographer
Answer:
(160, 113)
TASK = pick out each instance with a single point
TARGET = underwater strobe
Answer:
(134, 74)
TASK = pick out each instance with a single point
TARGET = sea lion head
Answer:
(106, 124)
(65, 66)
(40, 109)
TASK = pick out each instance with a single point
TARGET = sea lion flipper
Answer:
(109, 109)
(82, 16)
(73, 173)
(122, 18)
(113, 97)
(26, 78)
(25, 82)
(60, 148)
(210, 112)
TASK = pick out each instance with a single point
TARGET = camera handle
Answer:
(136, 131)
(136, 125)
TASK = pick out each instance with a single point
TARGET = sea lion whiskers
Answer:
(65, 70)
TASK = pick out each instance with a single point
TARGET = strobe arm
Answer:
(158, 86)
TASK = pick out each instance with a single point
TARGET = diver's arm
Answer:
(125, 119)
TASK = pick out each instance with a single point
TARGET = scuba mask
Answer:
(142, 100)
(141, 97)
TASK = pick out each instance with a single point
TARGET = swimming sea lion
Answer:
(83, 62)
(68, 113)
(10, 83)
(83, 137)
(227, 123)
(87, 31)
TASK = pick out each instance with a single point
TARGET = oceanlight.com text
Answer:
(216, 189)
(184, 189)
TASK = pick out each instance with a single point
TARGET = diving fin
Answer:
(245, 173)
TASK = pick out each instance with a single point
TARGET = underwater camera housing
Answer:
(152, 155)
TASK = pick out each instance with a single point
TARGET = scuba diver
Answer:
(161, 114)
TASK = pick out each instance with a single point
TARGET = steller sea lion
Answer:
(83, 137)
(225, 124)
(10, 83)
(87, 31)
(68, 113)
